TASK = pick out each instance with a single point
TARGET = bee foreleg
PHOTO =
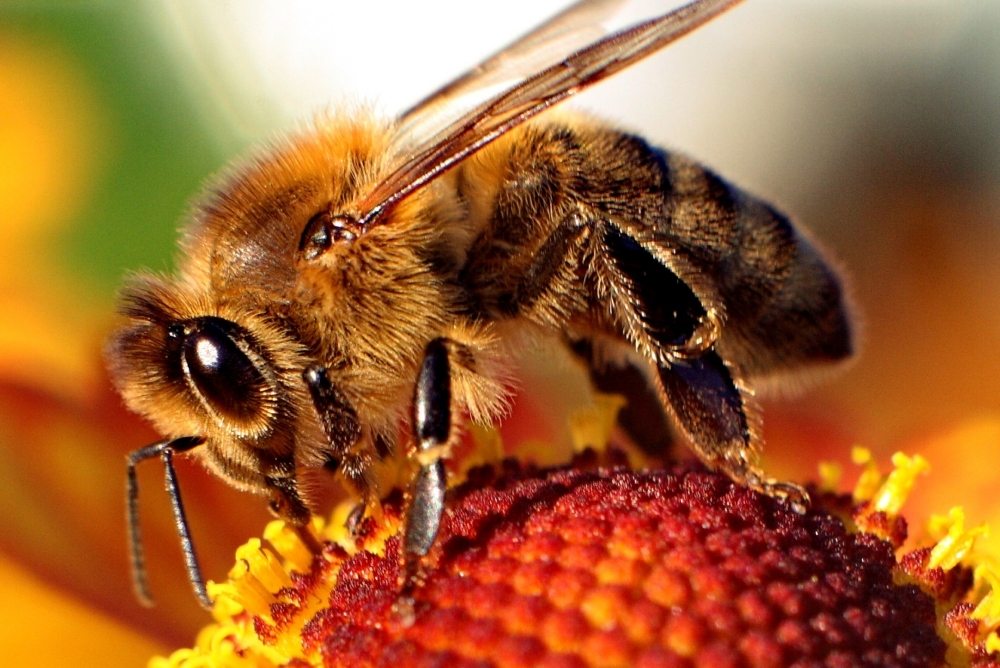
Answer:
(285, 501)
(336, 415)
(343, 433)
(432, 427)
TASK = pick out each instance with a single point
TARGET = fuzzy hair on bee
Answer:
(364, 279)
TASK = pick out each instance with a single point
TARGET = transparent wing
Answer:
(529, 90)
(573, 28)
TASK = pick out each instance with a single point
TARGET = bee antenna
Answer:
(165, 450)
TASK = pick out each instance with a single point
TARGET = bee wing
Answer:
(573, 28)
(531, 92)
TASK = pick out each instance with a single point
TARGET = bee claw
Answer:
(795, 496)
(404, 610)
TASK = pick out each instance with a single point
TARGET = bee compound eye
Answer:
(223, 374)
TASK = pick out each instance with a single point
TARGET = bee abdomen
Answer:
(785, 306)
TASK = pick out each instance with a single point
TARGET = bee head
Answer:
(230, 375)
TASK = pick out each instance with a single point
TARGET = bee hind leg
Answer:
(717, 414)
(668, 322)
(432, 427)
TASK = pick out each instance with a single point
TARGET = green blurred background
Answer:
(147, 149)
(874, 123)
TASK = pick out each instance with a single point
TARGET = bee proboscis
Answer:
(368, 274)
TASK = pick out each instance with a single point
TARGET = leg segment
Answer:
(642, 417)
(666, 320)
(165, 450)
(343, 431)
(432, 426)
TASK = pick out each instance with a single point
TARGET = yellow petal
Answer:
(40, 626)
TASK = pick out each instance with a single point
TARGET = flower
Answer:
(605, 565)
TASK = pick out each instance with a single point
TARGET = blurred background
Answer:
(876, 125)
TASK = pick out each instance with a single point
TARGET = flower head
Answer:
(603, 565)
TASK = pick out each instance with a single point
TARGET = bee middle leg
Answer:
(642, 417)
(432, 429)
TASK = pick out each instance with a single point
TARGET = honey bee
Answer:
(369, 275)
